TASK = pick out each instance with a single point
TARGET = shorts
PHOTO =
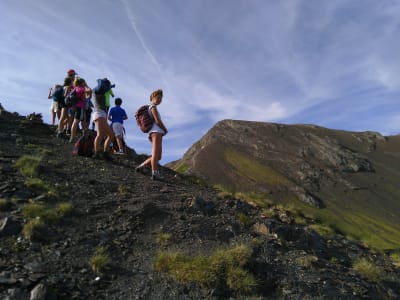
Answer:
(155, 129)
(118, 129)
(78, 113)
(98, 113)
(55, 107)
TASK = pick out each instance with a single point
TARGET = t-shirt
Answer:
(117, 114)
(107, 95)
(80, 92)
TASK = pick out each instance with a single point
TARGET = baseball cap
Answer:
(71, 71)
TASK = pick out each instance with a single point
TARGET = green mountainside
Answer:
(349, 181)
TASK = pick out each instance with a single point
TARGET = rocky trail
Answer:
(135, 219)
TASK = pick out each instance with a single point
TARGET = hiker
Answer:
(78, 109)
(88, 109)
(56, 94)
(156, 134)
(107, 95)
(71, 74)
(117, 115)
(62, 121)
(100, 119)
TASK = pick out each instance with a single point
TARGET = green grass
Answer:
(245, 220)
(375, 233)
(369, 270)
(252, 170)
(32, 228)
(100, 260)
(306, 261)
(395, 257)
(28, 165)
(223, 267)
(164, 238)
(40, 215)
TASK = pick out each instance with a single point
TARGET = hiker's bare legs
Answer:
(119, 142)
(63, 117)
(103, 130)
(156, 151)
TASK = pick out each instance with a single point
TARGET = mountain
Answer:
(350, 181)
(73, 227)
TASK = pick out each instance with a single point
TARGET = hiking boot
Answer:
(157, 176)
(59, 134)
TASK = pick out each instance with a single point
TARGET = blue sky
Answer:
(330, 63)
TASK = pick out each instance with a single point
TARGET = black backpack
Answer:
(72, 98)
(58, 94)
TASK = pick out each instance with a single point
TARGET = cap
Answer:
(71, 71)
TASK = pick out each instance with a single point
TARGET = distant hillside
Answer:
(349, 180)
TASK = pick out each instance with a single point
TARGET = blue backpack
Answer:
(58, 94)
(103, 86)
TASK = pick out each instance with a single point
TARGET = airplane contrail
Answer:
(131, 18)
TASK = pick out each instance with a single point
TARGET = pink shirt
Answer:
(80, 92)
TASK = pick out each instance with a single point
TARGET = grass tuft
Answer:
(28, 165)
(369, 270)
(306, 261)
(395, 257)
(100, 260)
(64, 208)
(32, 228)
(223, 267)
(245, 220)
(164, 238)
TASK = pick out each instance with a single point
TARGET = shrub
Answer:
(100, 260)
(368, 270)
(224, 266)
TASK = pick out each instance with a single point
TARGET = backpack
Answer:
(84, 146)
(72, 98)
(58, 94)
(144, 119)
(103, 86)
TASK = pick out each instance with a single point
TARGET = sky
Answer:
(330, 63)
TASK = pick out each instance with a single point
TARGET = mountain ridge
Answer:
(336, 170)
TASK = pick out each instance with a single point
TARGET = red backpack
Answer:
(144, 119)
(84, 146)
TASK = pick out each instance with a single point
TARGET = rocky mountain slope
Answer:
(77, 228)
(348, 179)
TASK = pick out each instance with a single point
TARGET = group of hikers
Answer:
(73, 105)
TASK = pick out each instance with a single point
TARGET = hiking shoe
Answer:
(59, 134)
(157, 176)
